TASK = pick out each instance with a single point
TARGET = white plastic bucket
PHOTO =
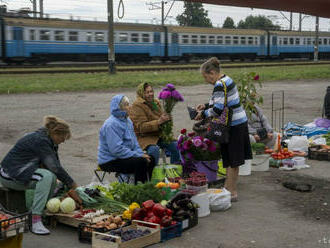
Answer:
(299, 160)
(260, 162)
(245, 169)
(203, 201)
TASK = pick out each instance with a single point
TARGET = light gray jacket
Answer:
(258, 120)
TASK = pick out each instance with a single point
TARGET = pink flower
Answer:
(190, 156)
(197, 142)
(212, 148)
(187, 144)
(180, 140)
(192, 134)
(207, 141)
(204, 146)
(256, 77)
(183, 131)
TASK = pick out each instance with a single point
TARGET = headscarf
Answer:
(140, 93)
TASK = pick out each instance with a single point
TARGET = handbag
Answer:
(218, 129)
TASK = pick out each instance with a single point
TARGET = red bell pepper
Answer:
(154, 219)
(159, 210)
(139, 214)
(166, 221)
(169, 212)
(148, 204)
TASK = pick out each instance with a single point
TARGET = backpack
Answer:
(326, 104)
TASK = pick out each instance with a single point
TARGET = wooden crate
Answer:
(152, 238)
(68, 219)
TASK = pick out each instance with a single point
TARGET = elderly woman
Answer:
(238, 149)
(118, 149)
(147, 116)
(33, 163)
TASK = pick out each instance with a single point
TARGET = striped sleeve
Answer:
(218, 102)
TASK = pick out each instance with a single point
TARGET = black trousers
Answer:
(140, 167)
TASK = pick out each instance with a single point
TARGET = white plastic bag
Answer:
(298, 143)
(220, 199)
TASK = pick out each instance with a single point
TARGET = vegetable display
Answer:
(126, 235)
(68, 205)
(182, 206)
(53, 205)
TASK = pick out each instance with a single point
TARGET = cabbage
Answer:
(68, 205)
(53, 205)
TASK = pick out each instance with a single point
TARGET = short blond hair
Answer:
(124, 101)
(212, 64)
(57, 126)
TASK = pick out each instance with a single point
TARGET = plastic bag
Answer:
(220, 199)
(95, 182)
(298, 143)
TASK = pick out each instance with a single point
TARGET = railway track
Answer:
(157, 67)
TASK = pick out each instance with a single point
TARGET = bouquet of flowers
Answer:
(197, 148)
(169, 96)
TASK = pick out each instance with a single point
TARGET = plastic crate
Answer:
(85, 231)
(171, 232)
(315, 154)
(15, 224)
(190, 223)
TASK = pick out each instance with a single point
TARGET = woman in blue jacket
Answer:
(119, 150)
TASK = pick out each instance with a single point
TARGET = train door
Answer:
(157, 48)
(2, 39)
(18, 42)
(274, 49)
(174, 46)
(262, 51)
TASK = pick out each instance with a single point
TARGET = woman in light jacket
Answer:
(119, 150)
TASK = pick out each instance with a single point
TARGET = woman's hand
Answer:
(163, 118)
(270, 135)
(200, 107)
(147, 157)
(74, 195)
(256, 137)
(199, 116)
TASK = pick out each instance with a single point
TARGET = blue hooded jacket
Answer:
(117, 139)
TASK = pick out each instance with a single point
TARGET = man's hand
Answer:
(256, 137)
(270, 136)
(74, 195)
(163, 118)
(200, 107)
(199, 116)
(147, 157)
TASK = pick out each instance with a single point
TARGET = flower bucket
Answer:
(210, 168)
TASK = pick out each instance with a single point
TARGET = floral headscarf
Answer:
(140, 93)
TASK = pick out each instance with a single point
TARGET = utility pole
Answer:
(300, 21)
(111, 47)
(316, 44)
(163, 21)
(290, 21)
(34, 2)
(41, 6)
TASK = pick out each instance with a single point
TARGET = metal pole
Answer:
(316, 45)
(300, 21)
(41, 3)
(111, 47)
(290, 21)
(163, 13)
(34, 8)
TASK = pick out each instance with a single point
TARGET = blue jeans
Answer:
(153, 150)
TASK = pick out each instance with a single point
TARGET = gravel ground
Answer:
(266, 215)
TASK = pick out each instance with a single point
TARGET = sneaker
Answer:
(39, 229)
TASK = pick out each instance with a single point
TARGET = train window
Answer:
(185, 39)
(304, 40)
(243, 40)
(145, 38)
(220, 40)
(256, 40)
(44, 35)
(89, 36)
(99, 36)
(32, 34)
(291, 41)
(235, 40)
(203, 39)
(175, 38)
(211, 39)
(123, 37)
(227, 40)
(309, 41)
(73, 36)
(320, 41)
(285, 41)
(59, 35)
(297, 41)
(135, 37)
(325, 41)
(250, 40)
(194, 39)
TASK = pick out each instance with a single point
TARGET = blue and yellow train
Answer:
(34, 40)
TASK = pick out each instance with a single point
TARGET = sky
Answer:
(139, 11)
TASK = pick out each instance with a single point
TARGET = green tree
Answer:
(194, 15)
(257, 22)
(229, 23)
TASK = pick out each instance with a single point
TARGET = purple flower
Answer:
(207, 141)
(192, 134)
(197, 142)
(187, 145)
(164, 94)
(212, 148)
(170, 86)
(256, 77)
(204, 146)
(180, 139)
(177, 96)
(190, 156)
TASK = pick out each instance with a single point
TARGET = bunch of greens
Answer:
(108, 205)
(327, 138)
(128, 193)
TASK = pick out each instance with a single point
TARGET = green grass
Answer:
(102, 81)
